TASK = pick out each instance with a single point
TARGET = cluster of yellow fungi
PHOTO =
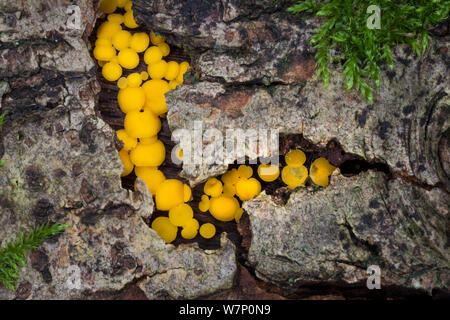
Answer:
(141, 98)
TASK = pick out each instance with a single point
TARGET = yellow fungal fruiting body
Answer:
(156, 104)
(128, 20)
(112, 71)
(121, 40)
(134, 80)
(223, 208)
(165, 229)
(142, 124)
(128, 58)
(148, 155)
(128, 142)
(213, 187)
(131, 99)
(187, 193)
(127, 164)
(320, 170)
(268, 173)
(181, 214)
(155, 87)
(190, 229)
(115, 18)
(158, 69)
(170, 193)
(152, 55)
(108, 29)
(165, 49)
(172, 70)
(295, 158)
(122, 83)
(151, 176)
(244, 171)
(156, 39)
(230, 177)
(294, 177)
(204, 204)
(247, 189)
(108, 6)
(104, 52)
(139, 41)
(207, 230)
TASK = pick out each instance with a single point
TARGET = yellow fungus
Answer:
(213, 187)
(112, 71)
(173, 84)
(157, 104)
(139, 41)
(127, 164)
(295, 158)
(131, 99)
(155, 87)
(108, 6)
(135, 80)
(148, 155)
(238, 214)
(294, 177)
(108, 29)
(170, 193)
(172, 70)
(230, 177)
(144, 75)
(152, 55)
(128, 20)
(128, 58)
(181, 214)
(122, 83)
(229, 190)
(122, 3)
(151, 176)
(320, 170)
(223, 208)
(128, 5)
(190, 229)
(187, 193)
(247, 189)
(121, 40)
(165, 49)
(204, 204)
(156, 38)
(268, 173)
(104, 53)
(207, 230)
(165, 229)
(244, 171)
(102, 42)
(158, 69)
(128, 142)
(142, 124)
(115, 18)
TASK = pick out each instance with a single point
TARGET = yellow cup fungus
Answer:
(128, 58)
(229, 190)
(247, 189)
(156, 39)
(268, 173)
(230, 177)
(104, 52)
(295, 158)
(115, 18)
(152, 55)
(294, 177)
(112, 71)
(170, 193)
(134, 80)
(139, 41)
(121, 40)
(223, 208)
(148, 155)
(190, 229)
(320, 170)
(204, 204)
(165, 229)
(122, 83)
(127, 164)
(108, 29)
(131, 99)
(128, 20)
(244, 171)
(128, 142)
(155, 87)
(181, 214)
(213, 187)
(157, 104)
(158, 69)
(151, 176)
(207, 230)
(142, 124)
(165, 49)
(173, 69)
(102, 42)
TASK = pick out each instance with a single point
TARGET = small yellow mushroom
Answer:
(247, 189)
(128, 5)
(108, 6)
(135, 80)
(151, 176)
(230, 177)
(170, 193)
(115, 18)
(204, 204)
(207, 230)
(158, 70)
(122, 83)
(148, 155)
(155, 87)
(152, 55)
(268, 173)
(165, 229)
(157, 104)
(122, 3)
(190, 229)
(144, 75)
(121, 40)
(229, 190)
(172, 70)
(142, 124)
(128, 20)
(156, 39)
(131, 99)
(127, 164)
(187, 193)
(223, 208)
(128, 142)
(104, 52)
(320, 170)
(139, 41)
(103, 42)
(213, 187)
(108, 29)
(165, 49)
(128, 58)
(112, 71)
(294, 177)
(245, 172)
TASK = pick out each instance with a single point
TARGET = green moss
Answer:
(362, 50)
